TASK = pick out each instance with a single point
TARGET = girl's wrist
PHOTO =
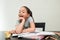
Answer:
(23, 21)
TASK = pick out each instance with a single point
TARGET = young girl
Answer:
(26, 21)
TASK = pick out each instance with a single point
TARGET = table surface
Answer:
(12, 38)
(16, 38)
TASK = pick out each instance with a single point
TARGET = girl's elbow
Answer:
(18, 32)
(33, 29)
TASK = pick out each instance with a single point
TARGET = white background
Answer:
(47, 11)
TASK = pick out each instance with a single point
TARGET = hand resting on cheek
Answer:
(21, 19)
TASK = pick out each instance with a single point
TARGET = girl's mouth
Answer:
(20, 16)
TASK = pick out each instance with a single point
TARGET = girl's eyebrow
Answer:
(23, 11)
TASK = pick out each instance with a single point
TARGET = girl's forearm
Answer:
(19, 28)
(29, 30)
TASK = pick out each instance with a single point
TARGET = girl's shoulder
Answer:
(30, 19)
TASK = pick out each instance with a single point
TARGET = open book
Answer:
(33, 34)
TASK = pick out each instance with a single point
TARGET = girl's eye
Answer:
(23, 12)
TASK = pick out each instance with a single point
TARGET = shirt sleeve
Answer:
(30, 19)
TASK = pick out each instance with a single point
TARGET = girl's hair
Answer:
(29, 11)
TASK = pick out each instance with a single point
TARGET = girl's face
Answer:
(23, 13)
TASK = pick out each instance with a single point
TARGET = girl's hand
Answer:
(21, 19)
(12, 32)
